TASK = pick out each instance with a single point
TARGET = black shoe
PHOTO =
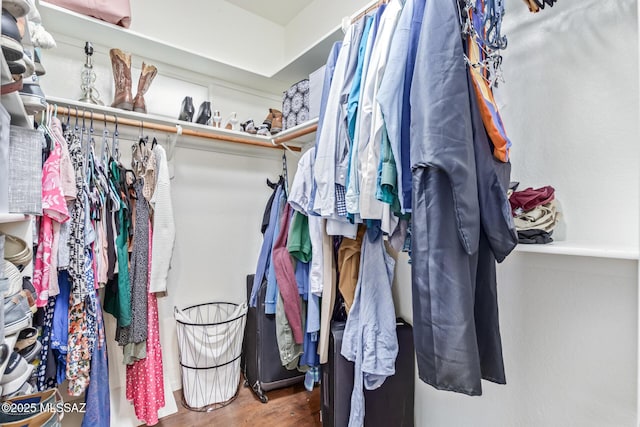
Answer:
(204, 113)
(187, 110)
(11, 46)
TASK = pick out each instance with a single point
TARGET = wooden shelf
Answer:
(5, 218)
(583, 249)
(294, 137)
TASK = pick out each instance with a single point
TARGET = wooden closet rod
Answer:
(99, 117)
(367, 10)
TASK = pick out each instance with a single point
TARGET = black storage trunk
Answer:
(389, 405)
(261, 364)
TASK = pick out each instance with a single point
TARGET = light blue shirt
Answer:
(370, 339)
(271, 297)
(391, 92)
(265, 251)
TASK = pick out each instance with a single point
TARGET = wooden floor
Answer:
(287, 407)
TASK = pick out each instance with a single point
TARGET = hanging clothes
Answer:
(458, 217)
(133, 337)
(79, 351)
(145, 377)
(370, 339)
(164, 229)
(54, 209)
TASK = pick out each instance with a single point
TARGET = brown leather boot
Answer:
(121, 64)
(147, 74)
(276, 120)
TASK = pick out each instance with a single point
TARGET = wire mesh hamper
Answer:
(210, 345)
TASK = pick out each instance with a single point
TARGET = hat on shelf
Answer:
(17, 251)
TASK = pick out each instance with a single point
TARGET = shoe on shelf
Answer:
(17, 314)
(17, 251)
(32, 352)
(26, 388)
(30, 66)
(276, 121)
(15, 374)
(46, 399)
(26, 338)
(263, 130)
(32, 96)
(232, 122)
(14, 276)
(17, 67)
(147, 74)
(11, 45)
(204, 113)
(187, 110)
(41, 419)
(248, 127)
(17, 8)
(40, 71)
(121, 65)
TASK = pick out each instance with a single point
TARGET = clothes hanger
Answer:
(493, 16)
(285, 173)
(115, 147)
(105, 142)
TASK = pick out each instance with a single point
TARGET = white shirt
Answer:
(371, 131)
(325, 165)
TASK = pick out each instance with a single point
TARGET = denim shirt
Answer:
(271, 297)
(265, 251)
(392, 95)
(370, 339)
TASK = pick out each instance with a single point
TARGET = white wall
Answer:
(216, 29)
(570, 106)
(569, 324)
(315, 22)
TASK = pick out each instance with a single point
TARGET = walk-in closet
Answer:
(320, 213)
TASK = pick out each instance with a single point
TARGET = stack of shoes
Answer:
(22, 54)
(34, 411)
(12, 49)
(535, 214)
(14, 380)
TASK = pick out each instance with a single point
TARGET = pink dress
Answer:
(54, 208)
(145, 378)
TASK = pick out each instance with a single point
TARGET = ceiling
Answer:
(279, 11)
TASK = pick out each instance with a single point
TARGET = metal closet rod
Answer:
(100, 117)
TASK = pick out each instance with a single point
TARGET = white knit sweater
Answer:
(164, 230)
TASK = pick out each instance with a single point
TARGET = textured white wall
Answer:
(569, 324)
(216, 29)
(570, 106)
